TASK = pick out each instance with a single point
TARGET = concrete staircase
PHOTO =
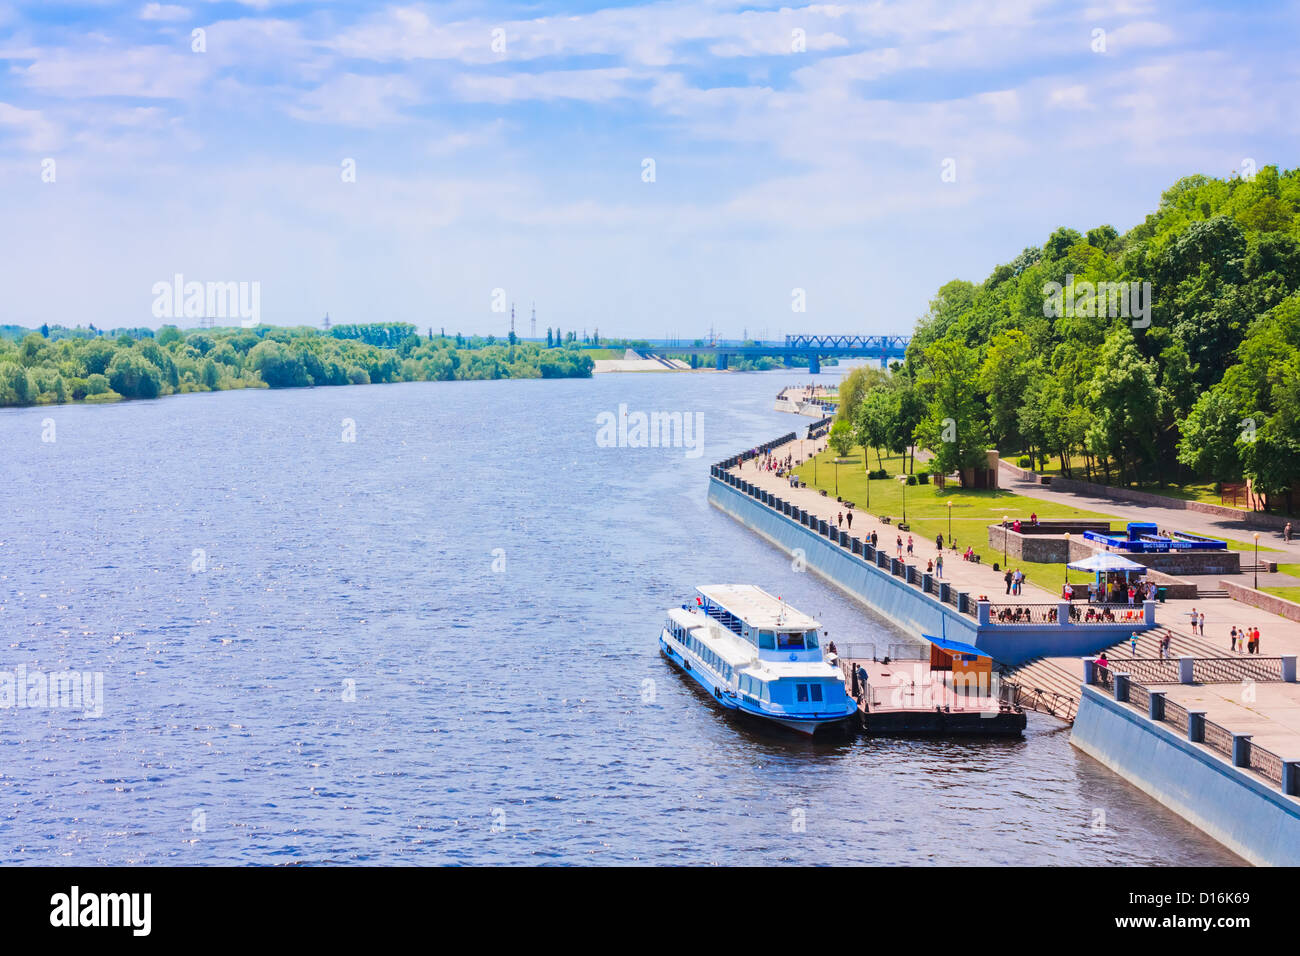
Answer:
(1047, 685)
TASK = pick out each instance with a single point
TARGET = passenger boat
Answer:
(757, 656)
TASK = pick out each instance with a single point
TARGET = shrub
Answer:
(1025, 462)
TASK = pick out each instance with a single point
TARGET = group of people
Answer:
(1015, 580)
(1023, 615)
(841, 517)
(1112, 592)
(1094, 616)
(1244, 639)
(770, 462)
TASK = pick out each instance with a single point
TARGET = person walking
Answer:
(1286, 532)
(938, 565)
(1007, 577)
(1232, 639)
(1202, 623)
(1133, 644)
(839, 520)
(898, 546)
(849, 518)
(909, 545)
(1194, 620)
(938, 540)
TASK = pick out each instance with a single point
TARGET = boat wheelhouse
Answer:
(756, 655)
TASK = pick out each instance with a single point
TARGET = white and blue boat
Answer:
(757, 656)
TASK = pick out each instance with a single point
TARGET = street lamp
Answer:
(950, 521)
(1004, 541)
(1067, 557)
(904, 499)
(1256, 560)
(837, 476)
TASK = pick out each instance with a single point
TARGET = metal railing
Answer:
(1149, 670)
(1038, 700)
(1218, 738)
(1176, 716)
(1229, 670)
(1022, 613)
(1264, 762)
(1102, 677)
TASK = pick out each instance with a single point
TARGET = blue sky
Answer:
(779, 164)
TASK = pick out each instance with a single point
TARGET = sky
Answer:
(645, 169)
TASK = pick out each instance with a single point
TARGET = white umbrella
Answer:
(1106, 562)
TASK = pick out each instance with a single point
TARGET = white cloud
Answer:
(354, 100)
(163, 11)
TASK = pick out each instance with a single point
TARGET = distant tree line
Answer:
(65, 365)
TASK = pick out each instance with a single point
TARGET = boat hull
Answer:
(807, 727)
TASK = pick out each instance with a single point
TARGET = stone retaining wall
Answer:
(1268, 602)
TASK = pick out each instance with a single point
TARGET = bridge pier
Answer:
(884, 361)
(814, 365)
(722, 361)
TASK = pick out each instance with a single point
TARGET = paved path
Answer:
(1196, 522)
(965, 575)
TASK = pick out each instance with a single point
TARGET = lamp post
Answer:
(1004, 541)
(1256, 560)
(837, 476)
(1067, 557)
(904, 499)
(950, 521)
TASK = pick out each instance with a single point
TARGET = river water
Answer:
(437, 643)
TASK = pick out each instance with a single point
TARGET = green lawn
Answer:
(928, 512)
(1290, 594)
(1202, 491)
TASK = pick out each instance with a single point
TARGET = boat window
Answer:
(801, 693)
(810, 639)
(766, 693)
(789, 642)
(816, 690)
(766, 640)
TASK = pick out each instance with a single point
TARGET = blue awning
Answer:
(956, 647)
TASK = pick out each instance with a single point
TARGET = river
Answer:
(437, 643)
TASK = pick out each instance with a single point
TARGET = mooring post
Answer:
(1241, 750)
(1121, 687)
(1156, 705)
(1291, 778)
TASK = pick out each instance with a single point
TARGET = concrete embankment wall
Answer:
(1248, 817)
